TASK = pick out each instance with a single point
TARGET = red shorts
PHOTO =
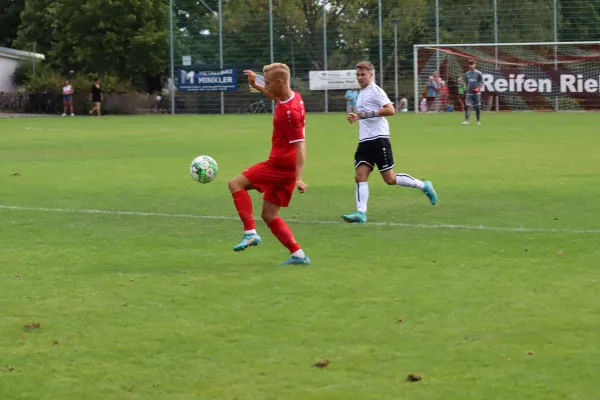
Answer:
(276, 184)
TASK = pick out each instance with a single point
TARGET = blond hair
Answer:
(365, 65)
(279, 71)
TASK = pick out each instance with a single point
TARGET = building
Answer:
(9, 59)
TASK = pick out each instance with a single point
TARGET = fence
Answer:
(52, 103)
(334, 35)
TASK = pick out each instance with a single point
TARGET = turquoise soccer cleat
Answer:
(248, 240)
(297, 261)
(358, 217)
(430, 193)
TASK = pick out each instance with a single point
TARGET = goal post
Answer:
(542, 76)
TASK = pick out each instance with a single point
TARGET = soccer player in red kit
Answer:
(282, 172)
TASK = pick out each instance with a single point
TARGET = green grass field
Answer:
(157, 305)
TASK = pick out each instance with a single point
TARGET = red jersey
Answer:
(288, 128)
(444, 93)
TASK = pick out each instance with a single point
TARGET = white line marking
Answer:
(304, 221)
(31, 128)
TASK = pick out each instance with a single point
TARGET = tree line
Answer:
(129, 39)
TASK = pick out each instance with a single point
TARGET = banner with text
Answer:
(525, 78)
(333, 80)
(218, 80)
(544, 82)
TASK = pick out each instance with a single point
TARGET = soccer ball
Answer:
(204, 169)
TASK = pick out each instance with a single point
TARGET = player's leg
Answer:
(405, 180)
(477, 103)
(239, 187)
(363, 165)
(71, 106)
(98, 108)
(65, 104)
(468, 108)
(385, 163)
(281, 230)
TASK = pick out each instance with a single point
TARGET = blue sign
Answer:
(220, 80)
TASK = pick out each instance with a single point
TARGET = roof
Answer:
(12, 53)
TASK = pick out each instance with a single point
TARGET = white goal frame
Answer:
(416, 48)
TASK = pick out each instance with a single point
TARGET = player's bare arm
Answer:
(387, 111)
(300, 161)
(252, 81)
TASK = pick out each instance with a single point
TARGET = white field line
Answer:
(31, 128)
(304, 221)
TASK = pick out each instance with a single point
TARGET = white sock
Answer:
(299, 253)
(362, 196)
(409, 181)
(250, 232)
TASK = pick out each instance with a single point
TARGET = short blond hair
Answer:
(365, 65)
(279, 70)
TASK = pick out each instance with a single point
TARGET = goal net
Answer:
(517, 76)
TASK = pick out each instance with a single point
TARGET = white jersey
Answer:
(372, 98)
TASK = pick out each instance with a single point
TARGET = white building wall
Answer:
(7, 68)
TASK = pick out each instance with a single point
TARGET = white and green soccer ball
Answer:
(204, 169)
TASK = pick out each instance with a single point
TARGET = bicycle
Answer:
(258, 107)
(6, 103)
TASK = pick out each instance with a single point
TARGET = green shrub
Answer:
(46, 80)
(24, 71)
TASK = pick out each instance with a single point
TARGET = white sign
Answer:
(260, 80)
(186, 60)
(332, 80)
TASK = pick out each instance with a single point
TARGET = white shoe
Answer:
(465, 123)
(64, 115)
(72, 115)
(478, 123)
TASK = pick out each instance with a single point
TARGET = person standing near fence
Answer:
(351, 96)
(96, 97)
(432, 92)
(403, 103)
(461, 89)
(423, 104)
(68, 98)
(444, 94)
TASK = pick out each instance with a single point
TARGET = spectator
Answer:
(432, 91)
(403, 104)
(423, 103)
(462, 88)
(351, 96)
(158, 103)
(436, 77)
(438, 81)
(443, 95)
(68, 98)
(96, 97)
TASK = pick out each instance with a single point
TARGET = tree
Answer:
(35, 26)
(10, 18)
(580, 20)
(127, 38)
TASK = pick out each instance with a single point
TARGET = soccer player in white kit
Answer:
(374, 147)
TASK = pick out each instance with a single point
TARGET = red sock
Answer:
(284, 234)
(243, 204)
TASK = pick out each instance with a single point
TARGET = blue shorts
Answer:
(67, 97)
